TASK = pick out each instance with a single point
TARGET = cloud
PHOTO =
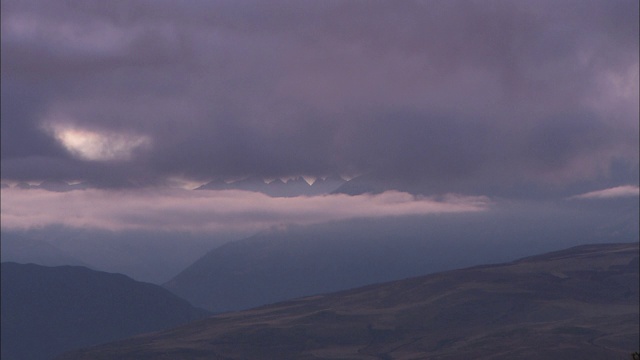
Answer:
(426, 91)
(165, 209)
(97, 146)
(615, 192)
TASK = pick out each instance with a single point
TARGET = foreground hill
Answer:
(49, 310)
(580, 303)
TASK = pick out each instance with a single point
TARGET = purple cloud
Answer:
(445, 93)
(162, 209)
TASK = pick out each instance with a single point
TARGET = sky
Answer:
(138, 97)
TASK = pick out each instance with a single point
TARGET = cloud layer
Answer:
(490, 92)
(163, 209)
(616, 192)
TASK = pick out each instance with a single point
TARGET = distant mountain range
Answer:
(50, 310)
(56, 186)
(580, 303)
(373, 183)
(297, 186)
(297, 261)
(278, 188)
(370, 183)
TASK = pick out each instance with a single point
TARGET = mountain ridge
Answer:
(295, 261)
(49, 310)
(297, 186)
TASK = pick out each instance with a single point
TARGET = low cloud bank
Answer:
(615, 192)
(204, 211)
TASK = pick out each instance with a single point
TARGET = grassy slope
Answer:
(577, 303)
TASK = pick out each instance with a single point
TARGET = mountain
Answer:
(150, 256)
(26, 186)
(54, 185)
(297, 261)
(327, 185)
(50, 310)
(278, 188)
(368, 184)
(580, 303)
(62, 186)
(24, 250)
(374, 183)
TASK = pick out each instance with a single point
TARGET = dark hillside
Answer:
(49, 310)
(580, 303)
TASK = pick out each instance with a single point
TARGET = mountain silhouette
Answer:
(278, 188)
(49, 310)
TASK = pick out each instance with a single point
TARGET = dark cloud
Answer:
(441, 92)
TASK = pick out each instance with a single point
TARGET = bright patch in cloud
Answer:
(204, 211)
(98, 146)
(615, 192)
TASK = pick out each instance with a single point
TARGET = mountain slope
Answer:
(292, 262)
(49, 310)
(573, 304)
